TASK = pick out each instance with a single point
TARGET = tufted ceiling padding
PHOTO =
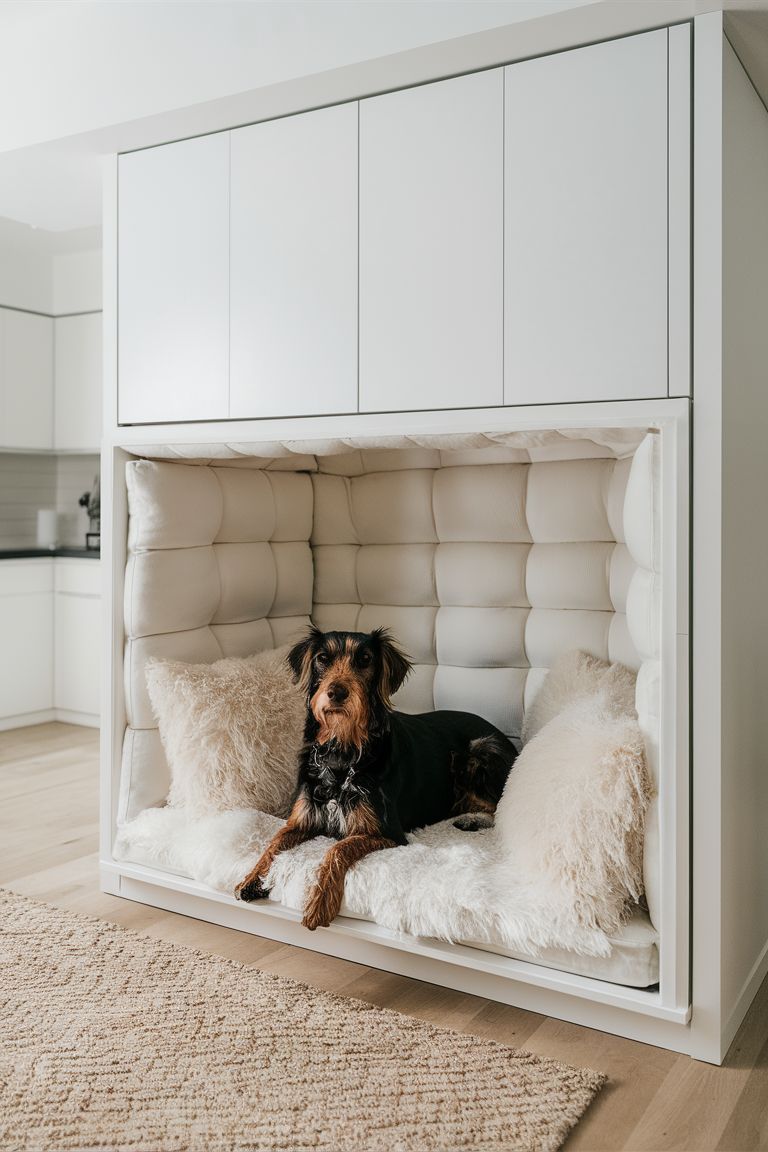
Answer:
(354, 455)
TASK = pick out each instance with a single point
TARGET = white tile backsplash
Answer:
(26, 483)
(74, 476)
(29, 482)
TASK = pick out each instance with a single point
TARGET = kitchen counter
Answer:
(48, 553)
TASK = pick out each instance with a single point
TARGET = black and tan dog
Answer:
(367, 774)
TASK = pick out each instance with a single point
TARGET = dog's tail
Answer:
(493, 751)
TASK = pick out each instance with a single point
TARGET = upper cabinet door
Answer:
(78, 381)
(26, 380)
(431, 237)
(294, 265)
(586, 224)
(173, 282)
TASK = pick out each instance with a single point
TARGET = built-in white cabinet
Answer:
(519, 235)
(173, 282)
(78, 382)
(26, 379)
(77, 645)
(586, 224)
(293, 265)
(431, 245)
(26, 626)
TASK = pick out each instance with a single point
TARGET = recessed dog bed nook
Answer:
(492, 557)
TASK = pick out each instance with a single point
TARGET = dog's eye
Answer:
(320, 660)
(364, 659)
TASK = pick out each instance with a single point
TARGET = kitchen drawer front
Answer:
(26, 577)
(78, 577)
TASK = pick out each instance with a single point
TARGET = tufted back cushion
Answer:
(485, 573)
(219, 565)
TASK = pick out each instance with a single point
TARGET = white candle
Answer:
(46, 528)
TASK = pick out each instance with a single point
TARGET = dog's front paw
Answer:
(252, 888)
(321, 909)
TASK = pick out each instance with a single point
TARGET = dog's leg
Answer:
(326, 896)
(479, 776)
(296, 830)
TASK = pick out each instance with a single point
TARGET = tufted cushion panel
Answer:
(219, 565)
(484, 572)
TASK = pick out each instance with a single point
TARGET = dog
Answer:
(368, 774)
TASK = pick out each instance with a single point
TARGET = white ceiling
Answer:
(78, 74)
(51, 187)
(86, 78)
(73, 67)
(24, 239)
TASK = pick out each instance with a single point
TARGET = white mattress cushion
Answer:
(634, 958)
(444, 883)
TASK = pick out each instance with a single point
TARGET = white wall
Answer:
(76, 282)
(54, 283)
(26, 280)
(68, 68)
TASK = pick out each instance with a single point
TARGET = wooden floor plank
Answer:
(654, 1100)
(696, 1101)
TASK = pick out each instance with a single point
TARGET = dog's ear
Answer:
(394, 665)
(301, 655)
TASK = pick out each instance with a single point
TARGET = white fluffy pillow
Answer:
(572, 815)
(231, 731)
(574, 676)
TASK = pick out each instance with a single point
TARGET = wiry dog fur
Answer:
(367, 774)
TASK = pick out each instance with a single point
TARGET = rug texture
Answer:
(110, 1040)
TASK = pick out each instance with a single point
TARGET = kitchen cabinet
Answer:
(173, 282)
(431, 245)
(77, 644)
(293, 260)
(26, 379)
(26, 625)
(78, 379)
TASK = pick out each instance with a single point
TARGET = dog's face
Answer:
(347, 676)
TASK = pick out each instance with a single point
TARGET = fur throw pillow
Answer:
(576, 675)
(231, 731)
(572, 816)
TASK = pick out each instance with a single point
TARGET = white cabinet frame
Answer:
(716, 484)
(655, 1017)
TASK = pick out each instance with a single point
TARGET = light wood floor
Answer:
(655, 1100)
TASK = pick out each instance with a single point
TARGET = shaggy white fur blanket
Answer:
(447, 884)
(557, 871)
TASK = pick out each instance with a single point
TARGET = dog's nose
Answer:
(338, 693)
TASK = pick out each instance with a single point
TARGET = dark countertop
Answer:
(48, 553)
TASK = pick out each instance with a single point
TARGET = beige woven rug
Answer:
(109, 1041)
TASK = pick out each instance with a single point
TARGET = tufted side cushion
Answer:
(486, 573)
(642, 517)
(219, 565)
